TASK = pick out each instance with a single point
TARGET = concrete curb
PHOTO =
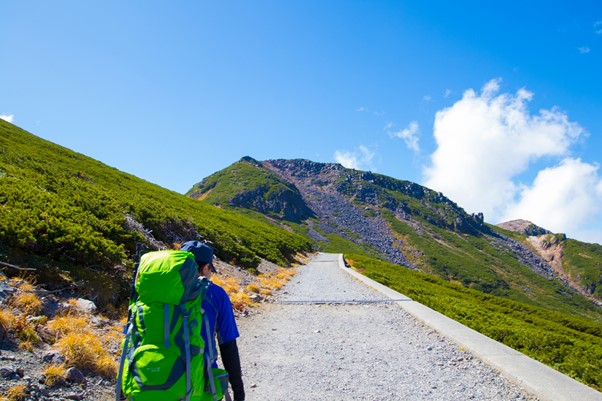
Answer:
(535, 377)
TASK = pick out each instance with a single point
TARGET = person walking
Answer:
(220, 317)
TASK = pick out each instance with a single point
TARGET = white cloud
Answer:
(7, 117)
(410, 135)
(584, 50)
(359, 160)
(562, 198)
(447, 93)
(598, 27)
(485, 141)
(427, 98)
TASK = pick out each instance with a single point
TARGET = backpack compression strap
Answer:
(187, 350)
(124, 351)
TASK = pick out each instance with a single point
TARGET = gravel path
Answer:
(311, 346)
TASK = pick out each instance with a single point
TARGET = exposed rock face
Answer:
(528, 258)
(550, 249)
(523, 227)
(347, 201)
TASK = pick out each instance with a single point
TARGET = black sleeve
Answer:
(231, 361)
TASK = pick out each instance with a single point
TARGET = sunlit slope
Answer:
(352, 211)
(62, 211)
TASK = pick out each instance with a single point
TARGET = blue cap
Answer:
(203, 253)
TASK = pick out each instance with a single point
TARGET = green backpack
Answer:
(163, 356)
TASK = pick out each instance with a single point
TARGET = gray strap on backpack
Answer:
(210, 357)
(124, 352)
(165, 325)
(226, 393)
(187, 351)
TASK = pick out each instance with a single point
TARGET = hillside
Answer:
(575, 262)
(75, 222)
(351, 211)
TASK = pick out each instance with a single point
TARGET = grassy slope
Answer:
(243, 176)
(583, 262)
(69, 211)
(443, 240)
(474, 262)
(568, 343)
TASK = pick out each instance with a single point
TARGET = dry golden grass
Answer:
(229, 284)
(277, 279)
(25, 331)
(15, 393)
(271, 282)
(26, 287)
(85, 351)
(54, 374)
(285, 274)
(106, 367)
(27, 302)
(266, 285)
(253, 288)
(63, 325)
(266, 291)
(241, 301)
(7, 319)
(26, 346)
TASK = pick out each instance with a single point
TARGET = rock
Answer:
(3, 333)
(74, 375)
(256, 298)
(85, 305)
(5, 290)
(52, 356)
(74, 396)
(7, 371)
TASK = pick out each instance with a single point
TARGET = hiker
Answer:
(220, 316)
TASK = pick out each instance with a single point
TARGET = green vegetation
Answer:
(437, 236)
(583, 262)
(568, 343)
(413, 199)
(477, 262)
(245, 185)
(61, 211)
(244, 176)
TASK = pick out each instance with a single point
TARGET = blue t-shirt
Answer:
(220, 316)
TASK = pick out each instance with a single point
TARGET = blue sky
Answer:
(498, 107)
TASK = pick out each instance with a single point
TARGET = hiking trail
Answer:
(330, 337)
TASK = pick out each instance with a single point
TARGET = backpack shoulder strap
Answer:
(205, 283)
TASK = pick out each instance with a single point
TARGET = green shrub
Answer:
(568, 343)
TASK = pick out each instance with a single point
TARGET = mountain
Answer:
(71, 225)
(74, 222)
(577, 263)
(346, 210)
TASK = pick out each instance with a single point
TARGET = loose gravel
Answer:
(320, 341)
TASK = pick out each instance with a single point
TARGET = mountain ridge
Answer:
(398, 221)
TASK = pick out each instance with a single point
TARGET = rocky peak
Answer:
(523, 227)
